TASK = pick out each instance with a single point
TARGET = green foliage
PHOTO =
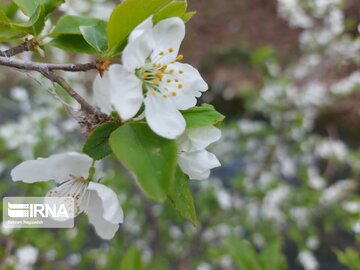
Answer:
(173, 9)
(29, 6)
(246, 257)
(125, 17)
(7, 31)
(187, 16)
(349, 257)
(131, 260)
(72, 43)
(95, 36)
(201, 116)
(80, 34)
(35, 24)
(70, 25)
(152, 158)
(181, 197)
(97, 145)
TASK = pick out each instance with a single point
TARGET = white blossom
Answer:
(308, 260)
(26, 257)
(151, 74)
(71, 172)
(194, 160)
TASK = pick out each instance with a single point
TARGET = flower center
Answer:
(76, 188)
(159, 78)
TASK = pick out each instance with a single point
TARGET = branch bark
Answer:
(27, 45)
(36, 66)
(88, 117)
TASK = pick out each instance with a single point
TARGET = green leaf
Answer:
(131, 260)
(79, 34)
(200, 116)
(187, 16)
(72, 43)
(181, 198)
(29, 6)
(126, 16)
(35, 23)
(97, 144)
(271, 257)
(7, 32)
(152, 158)
(95, 35)
(243, 254)
(70, 25)
(174, 9)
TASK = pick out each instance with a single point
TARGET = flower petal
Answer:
(187, 82)
(200, 138)
(101, 89)
(163, 117)
(136, 51)
(197, 164)
(145, 26)
(125, 92)
(167, 34)
(57, 167)
(104, 210)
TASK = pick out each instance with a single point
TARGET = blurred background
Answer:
(286, 76)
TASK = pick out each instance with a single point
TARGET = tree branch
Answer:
(27, 45)
(88, 117)
(35, 66)
(61, 81)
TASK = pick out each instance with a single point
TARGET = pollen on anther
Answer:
(181, 71)
(161, 53)
(176, 80)
(180, 57)
(168, 80)
(180, 86)
(165, 96)
(170, 50)
(171, 71)
(173, 94)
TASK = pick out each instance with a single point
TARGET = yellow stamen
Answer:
(153, 93)
(159, 75)
(165, 96)
(171, 71)
(180, 57)
(181, 71)
(180, 86)
(156, 82)
(168, 80)
(176, 80)
(170, 50)
(173, 94)
(161, 53)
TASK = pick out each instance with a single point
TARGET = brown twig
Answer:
(88, 117)
(36, 66)
(27, 45)
(61, 81)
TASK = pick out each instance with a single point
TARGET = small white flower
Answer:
(71, 172)
(194, 160)
(150, 74)
(308, 260)
(26, 257)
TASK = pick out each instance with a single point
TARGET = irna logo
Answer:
(25, 210)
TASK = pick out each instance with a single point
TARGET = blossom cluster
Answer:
(151, 84)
